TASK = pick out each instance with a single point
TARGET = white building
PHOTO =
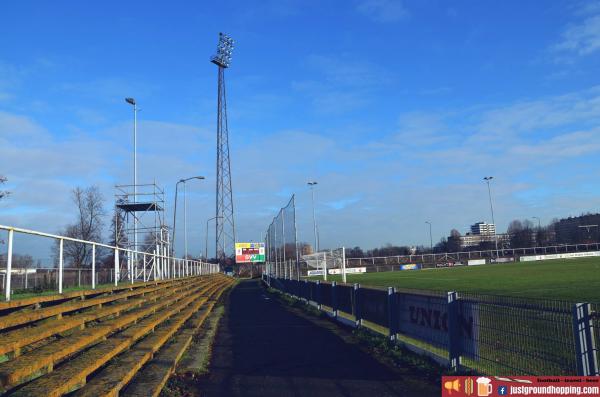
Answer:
(483, 228)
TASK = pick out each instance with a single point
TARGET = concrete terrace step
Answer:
(73, 373)
(150, 380)
(111, 380)
(31, 314)
(12, 341)
(39, 300)
(43, 359)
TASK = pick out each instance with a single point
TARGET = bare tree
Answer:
(453, 242)
(88, 226)
(521, 233)
(118, 237)
(3, 193)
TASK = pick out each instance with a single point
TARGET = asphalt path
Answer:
(264, 349)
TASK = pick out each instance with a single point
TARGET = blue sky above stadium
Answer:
(397, 108)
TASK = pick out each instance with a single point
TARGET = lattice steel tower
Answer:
(225, 224)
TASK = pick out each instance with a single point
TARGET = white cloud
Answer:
(341, 84)
(370, 191)
(581, 37)
(383, 10)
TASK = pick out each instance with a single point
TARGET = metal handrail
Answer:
(161, 262)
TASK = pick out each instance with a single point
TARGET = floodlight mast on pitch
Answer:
(487, 179)
(224, 50)
(225, 223)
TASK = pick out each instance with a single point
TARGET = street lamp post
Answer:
(206, 243)
(430, 236)
(312, 191)
(132, 102)
(184, 215)
(539, 231)
(487, 179)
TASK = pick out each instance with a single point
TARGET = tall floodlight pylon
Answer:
(225, 224)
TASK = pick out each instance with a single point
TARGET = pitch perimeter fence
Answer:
(490, 334)
(281, 241)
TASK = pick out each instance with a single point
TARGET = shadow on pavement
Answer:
(262, 349)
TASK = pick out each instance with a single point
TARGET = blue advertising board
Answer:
(410, 266)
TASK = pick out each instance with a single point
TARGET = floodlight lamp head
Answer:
(224, 47)
(131, 101)
(488, 178)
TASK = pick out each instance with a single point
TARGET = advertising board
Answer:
(447, 264)
(474, 262)
(315, 273)
(559, 256)
(502, 260)
(410, 266)
(349, 270)
(249, 252)
(426, 317)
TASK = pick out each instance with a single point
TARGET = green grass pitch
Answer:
(576, 280)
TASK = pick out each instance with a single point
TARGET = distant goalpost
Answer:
(326, 261)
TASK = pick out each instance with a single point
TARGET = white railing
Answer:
(157, 265)
(460, 255)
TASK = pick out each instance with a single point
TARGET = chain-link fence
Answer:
(490, 334)
(281, 242)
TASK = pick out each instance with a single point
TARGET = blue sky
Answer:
(397, 108)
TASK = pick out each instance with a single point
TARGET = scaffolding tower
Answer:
(140, 226)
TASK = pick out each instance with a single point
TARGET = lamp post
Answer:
(184, 215)
(487, 179)
(312, 184)
(587, 227)
(206, 243)
(132, 102)
(430, 236)
(539, 231)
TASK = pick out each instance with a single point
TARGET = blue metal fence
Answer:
(491, 334)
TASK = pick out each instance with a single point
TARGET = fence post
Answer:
(60, 267)
(116, 266)
(306, 291)
(334, 303)
(318, 294)
(129, 263)
(585, 345)
(93, 266)
(392, 313)
(9, 263)
(453, 331)
(357, 314)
